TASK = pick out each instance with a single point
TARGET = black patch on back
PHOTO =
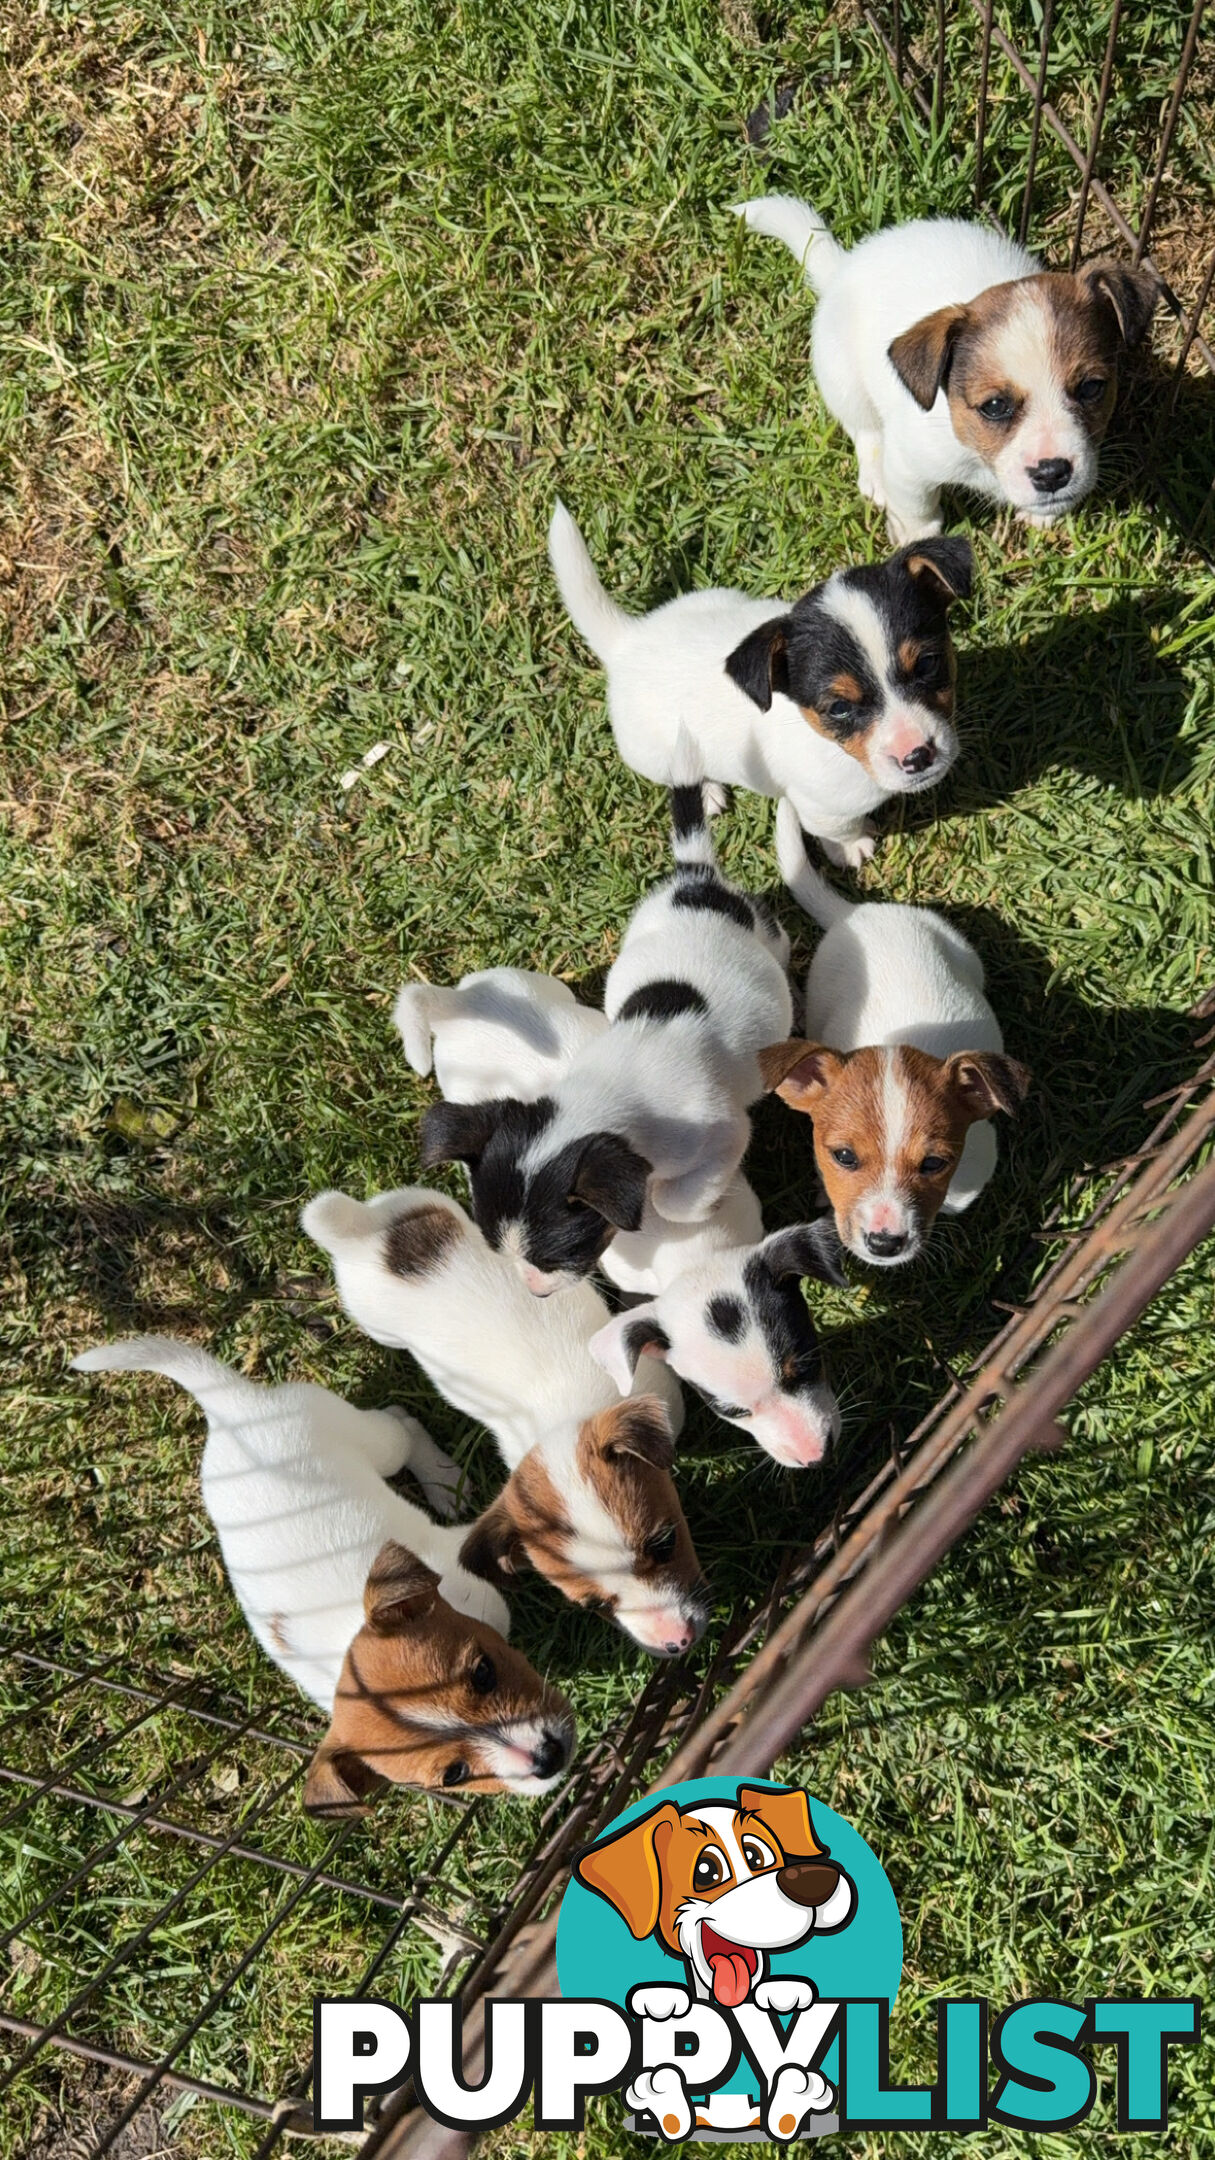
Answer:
(414, 1244)
(726, 1317)
(781, 1313)
(687, 811)
(663, 1000)
(715, 898)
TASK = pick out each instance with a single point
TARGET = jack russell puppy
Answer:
(589, 1499)
(721, 1885)
(903, 1068)
(655, 1107)
(953, 359)
(356, 1594)
(839, 701)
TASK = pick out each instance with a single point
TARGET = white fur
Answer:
(504, 1031)
(870, 295)
(293, 1480)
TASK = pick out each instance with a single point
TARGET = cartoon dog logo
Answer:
(722, 1885)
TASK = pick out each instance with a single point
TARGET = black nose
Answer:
(885, 1243)
(808, 1882)
(1051, 475)
(920, 759)
(552, 1754)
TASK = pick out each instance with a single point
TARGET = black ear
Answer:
(760, 665)
(458, 1132)
(611, 1178)
(1132, 293)
(920, 356)
(493, 1549)
(811, 1249)
(945, 568)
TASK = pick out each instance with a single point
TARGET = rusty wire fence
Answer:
(197, 1790)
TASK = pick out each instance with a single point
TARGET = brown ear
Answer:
(797, 1071)
(399, 1589)
(627, 1869)
(339, 1782)
(985, 1081)
(493, 1549)
(1132, 293)
(639, 1427)
(920, 356)
(787, 1814)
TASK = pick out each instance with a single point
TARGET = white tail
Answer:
(333, 1219)
(202, 1375)
(811, 892)
(787, 218)
(591, 610)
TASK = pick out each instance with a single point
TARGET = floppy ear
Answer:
(493, 1549)
(399, 1590)
(985, 1081)
(787, 1813)
(1132, 293)
(339, 1782)
(458, 1132)
(946, 567)
(627, 1337)
(920, 356)
(641, 1428)
(811, 1248)
(760, 665)
(626, 1869)
(798, 1071)
(611, 1178)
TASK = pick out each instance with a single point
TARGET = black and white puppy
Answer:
(655, 1107)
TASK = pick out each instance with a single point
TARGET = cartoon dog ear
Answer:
(787, 1814)
(494, 1549)
(760, 665)
(798, 1071)
(626, 1869)
(811, 1248)
(640, 1427)
(985, 1081)
(458, 1132)
(611, 1178)
(1132, 294)
(946, 566)
(629, 1336)
(920, 356)
(399, 1590)
(339, 1783)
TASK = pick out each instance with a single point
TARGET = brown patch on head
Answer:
(847, 686)
(415, 1244)
(856, 744)
(407, 1707)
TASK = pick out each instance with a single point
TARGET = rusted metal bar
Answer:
(1035, 130)
(894, 53)
(1094, 144)
(1170, 127)
(90, 2051)
(159, 1698)
(938, 79)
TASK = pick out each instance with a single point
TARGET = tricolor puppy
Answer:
(357, 1595)
(903, 1066)
(839, 701)
(736, 1329)
(589, 1499)
(503, 1031)
(656, 1107)
(954, 360)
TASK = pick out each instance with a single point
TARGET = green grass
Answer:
(307, 317)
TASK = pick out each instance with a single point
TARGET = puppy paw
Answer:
(656, 2001)
(429, 1466)
(716, 797)
(903, 530)
(795, 2094)
(850, 854)
(785, 1994)
(1038, 517)
(664, 2093)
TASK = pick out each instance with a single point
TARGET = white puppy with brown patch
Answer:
(954, 360)
(589, 1500)
(355, 1593)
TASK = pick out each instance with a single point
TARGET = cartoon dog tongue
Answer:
(730, 1966)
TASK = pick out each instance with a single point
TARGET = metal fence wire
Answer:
(192, 1790)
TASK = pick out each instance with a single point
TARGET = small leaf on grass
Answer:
(149, 1127)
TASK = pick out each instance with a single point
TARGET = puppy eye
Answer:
(456, 1773)
(997, 408)
(756, 1853)
(1088, 392)
(927, 666)
(596, 1604)
(709, 1871)
(845, 1157)
(662, 1544)
(731, 1410)
(483, 1676)
(840, 710)
(932, 1164)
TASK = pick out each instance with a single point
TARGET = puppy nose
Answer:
(885, 1243)
(919, 759)
(1050, 475)
(552, 1754)
(808, 1882)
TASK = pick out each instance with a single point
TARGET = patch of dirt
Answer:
(88, 2100)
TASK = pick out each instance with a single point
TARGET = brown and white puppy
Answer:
(589, 1498)
(954, 360)
(357, 1594)
(903, 1067)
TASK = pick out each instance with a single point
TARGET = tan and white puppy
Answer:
(902, 1068)
(356, 1594)
(953, 359)
(589, 1499)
